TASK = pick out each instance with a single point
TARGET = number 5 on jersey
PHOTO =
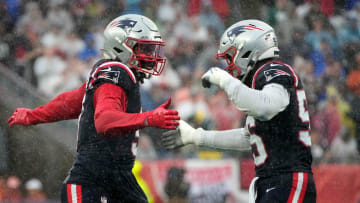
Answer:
(303, 135)
(303, 113)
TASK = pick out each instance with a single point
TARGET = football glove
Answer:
(183, 135)
(162, 117)
(21, 116)
(215, 76)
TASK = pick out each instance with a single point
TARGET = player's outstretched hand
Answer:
(20, 117)
(215, 76)
(162, 117)
(183, 135)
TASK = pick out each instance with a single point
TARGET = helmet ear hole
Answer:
(246, 55)
(117, 50)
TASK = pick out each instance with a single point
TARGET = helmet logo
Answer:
(125, 24)
(233, 33)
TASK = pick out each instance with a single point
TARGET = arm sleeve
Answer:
(63, 107)
(110, 104)
(235, 139)
(261, 104)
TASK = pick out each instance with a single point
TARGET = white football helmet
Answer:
(246, 42)
(136, 41)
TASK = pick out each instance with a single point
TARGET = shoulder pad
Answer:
(113, 72)
(275, 72)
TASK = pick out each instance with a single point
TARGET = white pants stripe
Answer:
(298, 187)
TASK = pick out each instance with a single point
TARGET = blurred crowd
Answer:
(53, 45)
(12, 190)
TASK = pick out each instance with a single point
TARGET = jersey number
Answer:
(256, 140)
(304, 135)
(303, 113)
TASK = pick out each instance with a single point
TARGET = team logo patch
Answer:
(109, 75)
(233, 33)
(272, 73)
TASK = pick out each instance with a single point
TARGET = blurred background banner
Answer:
(210, 180)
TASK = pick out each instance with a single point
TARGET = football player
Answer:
(109, 111)
(277, 124)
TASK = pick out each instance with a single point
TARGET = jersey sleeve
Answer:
(275, 72)
(115, 73)
(110, 117)
(63, 107)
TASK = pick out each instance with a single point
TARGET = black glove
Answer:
(205, 83)
(171, 139)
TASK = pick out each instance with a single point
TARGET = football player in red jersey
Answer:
(277, 125)
(108, 107)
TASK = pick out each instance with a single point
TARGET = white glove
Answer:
(189, 135)
(215, 76)
(183, 135)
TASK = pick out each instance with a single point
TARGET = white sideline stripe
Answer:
(298, 187)
(73, 193)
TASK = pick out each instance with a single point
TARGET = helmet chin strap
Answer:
(140, 76)
(251, 65)
(246, 74)
(147, 75)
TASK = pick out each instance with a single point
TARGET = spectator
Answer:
(350, 33)
(89, 52)
(14, 193)
(317, 34)
(53, 37)
(146, 150)
(3, 189)
(32, 18)
(73, 76)
(56, 12)
(210, 19)
(167, 11)
(353, 83)
(176, 188)
(225, 114)
(282, 17)
(327, 122)
(198, 31)
(6, 57)
(72, 44)
(317, 150)
(34, 191)
(48, 69)
(343, 149)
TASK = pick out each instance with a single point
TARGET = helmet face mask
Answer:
(147, 56)
(245, 43)
(229, 56)
(135, 40)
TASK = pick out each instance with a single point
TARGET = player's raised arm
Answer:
(235, 139)
(262, 104)
(65, 106)
(111, 118)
